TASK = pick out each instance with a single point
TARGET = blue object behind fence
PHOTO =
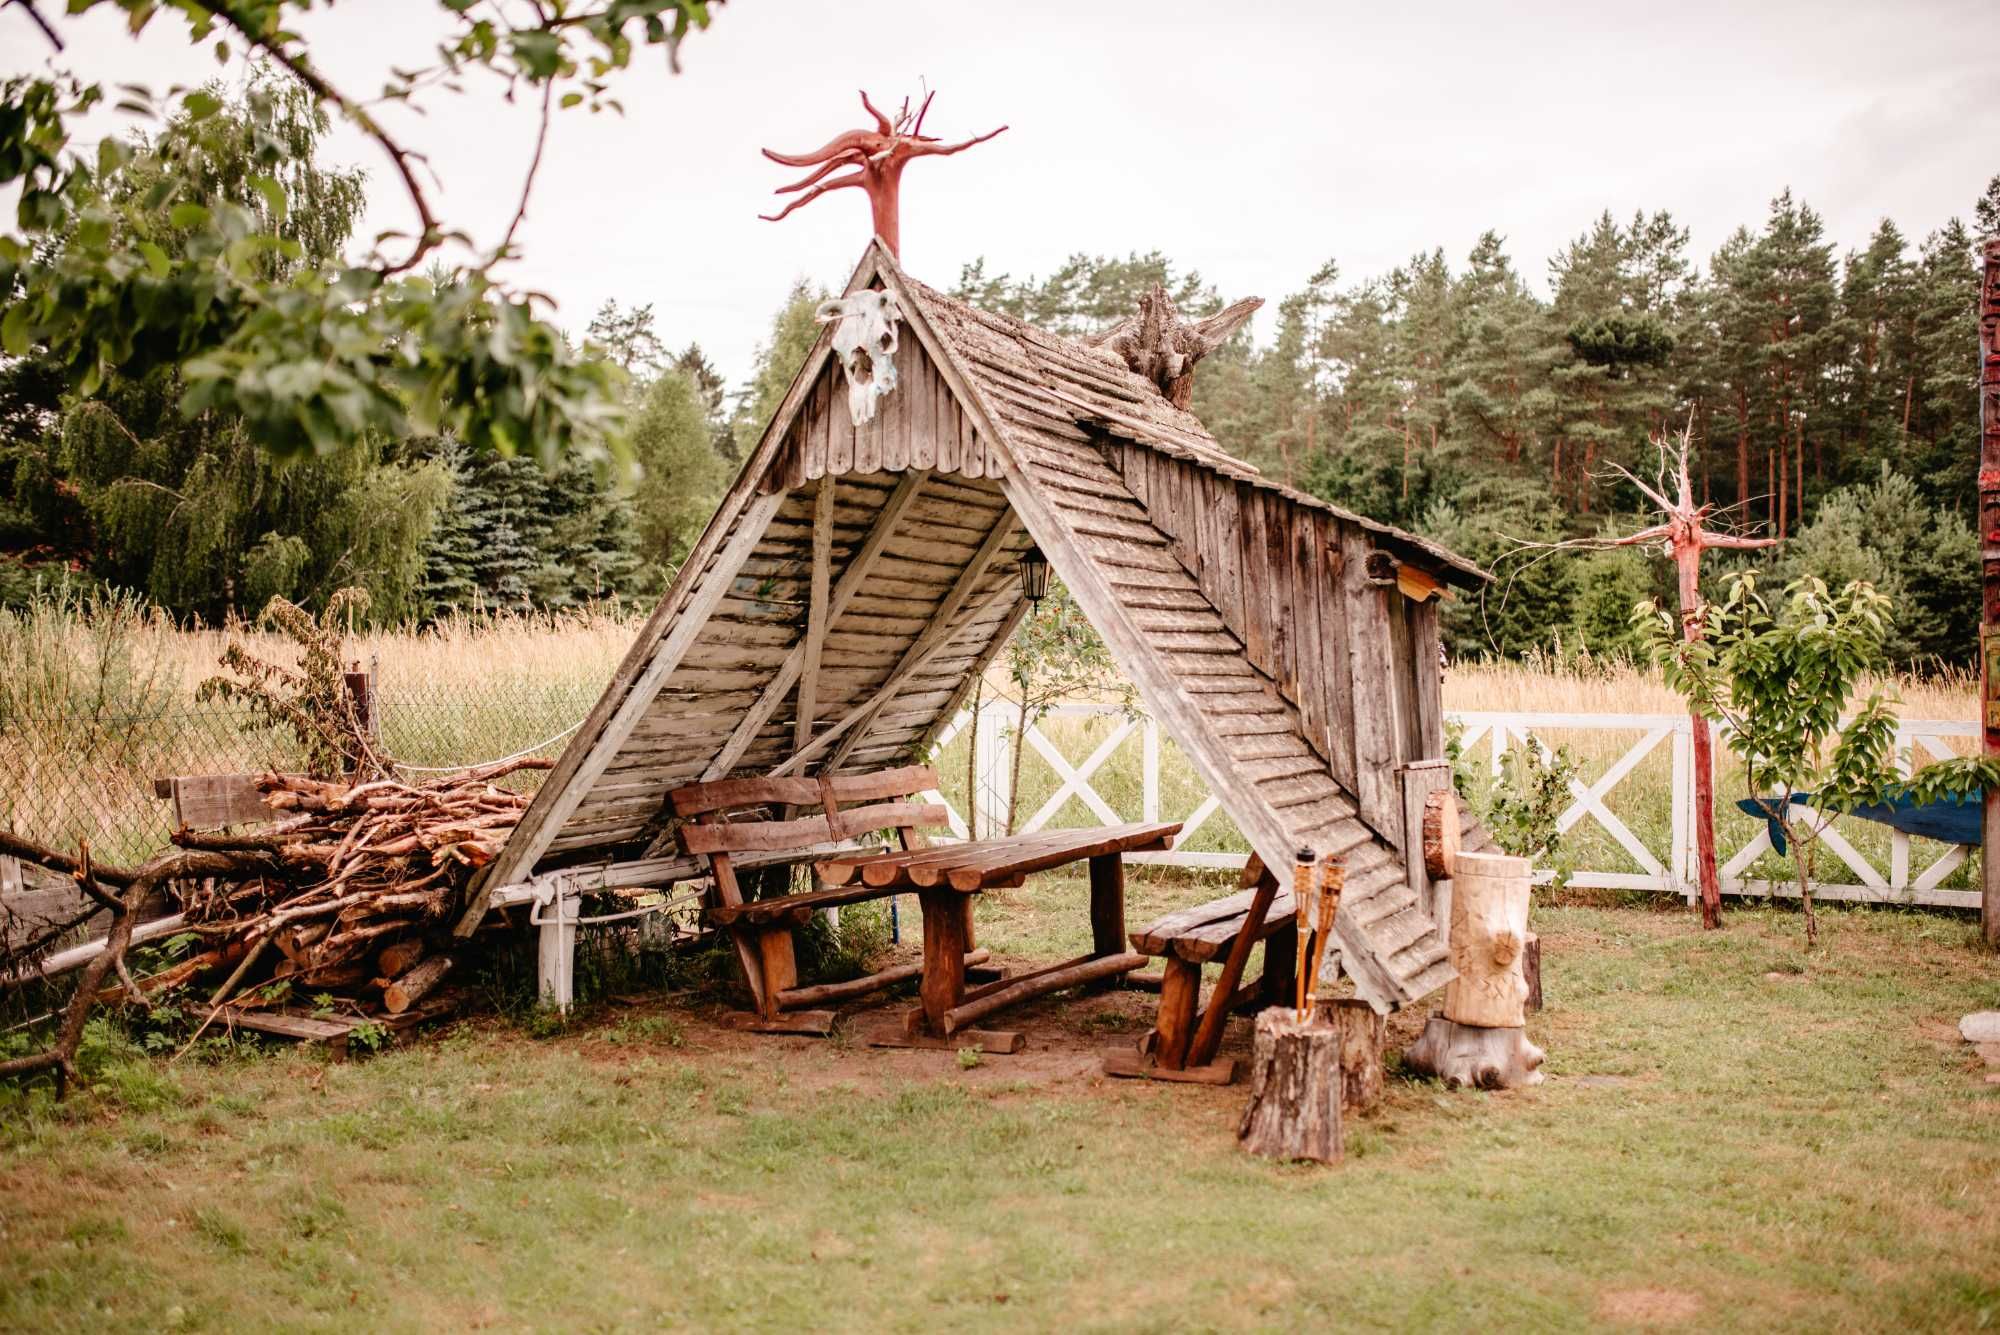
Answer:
(1954, 819)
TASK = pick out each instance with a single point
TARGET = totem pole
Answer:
(1989, 539)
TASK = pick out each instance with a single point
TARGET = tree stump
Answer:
(1481, 1039)
(1361, 1033)
(1295, 1088)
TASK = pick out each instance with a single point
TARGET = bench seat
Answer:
(1206, 932)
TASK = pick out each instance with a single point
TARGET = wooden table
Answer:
(944, 879)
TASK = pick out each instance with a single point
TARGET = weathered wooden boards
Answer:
(1480, 1039)
(1174, 559)
(920, 424)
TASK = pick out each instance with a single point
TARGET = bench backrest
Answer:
(213, 801)
(883, 798)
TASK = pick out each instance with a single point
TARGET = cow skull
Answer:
(864, 338)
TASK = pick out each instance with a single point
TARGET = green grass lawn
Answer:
(1732, 1135)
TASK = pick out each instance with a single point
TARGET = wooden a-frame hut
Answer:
(855, 580)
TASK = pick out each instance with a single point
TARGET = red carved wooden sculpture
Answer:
(1685, 535)
(877, 157)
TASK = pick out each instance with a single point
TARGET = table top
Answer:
(977, 865)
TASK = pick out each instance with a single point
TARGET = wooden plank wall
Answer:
(1359, 662)
(919, 424)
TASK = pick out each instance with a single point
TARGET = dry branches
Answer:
(339, 893)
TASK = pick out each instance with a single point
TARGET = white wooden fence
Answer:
(1914, 872)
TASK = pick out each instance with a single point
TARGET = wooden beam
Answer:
(968, 579)
(567, 787)
(937, 637)
(816, 611)
(844, 591)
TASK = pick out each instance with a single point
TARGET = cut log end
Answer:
(1469, 1057)
(1441, 834)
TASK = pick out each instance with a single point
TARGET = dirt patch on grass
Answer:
(1647, 1307)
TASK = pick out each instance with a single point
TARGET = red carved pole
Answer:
(877, 157)
(1686, 538)
(1989, 533)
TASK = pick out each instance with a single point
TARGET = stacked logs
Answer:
(346, 884)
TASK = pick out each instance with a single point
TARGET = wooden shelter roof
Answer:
(854, 583)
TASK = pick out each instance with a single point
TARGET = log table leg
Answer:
(1173, 1035)
(1107, 912)
(1180, 996)
(945, 935)
(947, 917)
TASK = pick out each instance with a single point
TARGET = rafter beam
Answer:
(816, 611)
(937, 637)
(961, 590)
(843, 593)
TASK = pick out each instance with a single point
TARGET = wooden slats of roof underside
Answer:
(739, 652)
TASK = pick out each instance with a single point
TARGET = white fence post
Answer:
(993, 768)
(1681, 863)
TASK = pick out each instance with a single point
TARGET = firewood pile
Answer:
(346, 892)
(347, 882)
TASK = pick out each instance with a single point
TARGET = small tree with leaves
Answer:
(1781, 683)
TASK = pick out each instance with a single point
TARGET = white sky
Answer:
(1249, 140)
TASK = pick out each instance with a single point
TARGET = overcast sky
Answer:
(1251, 141)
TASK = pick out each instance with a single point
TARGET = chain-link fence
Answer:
(69, 776)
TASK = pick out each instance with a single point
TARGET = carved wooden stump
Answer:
(1295, 1089)
(1481, 1040)
(1469, 1056)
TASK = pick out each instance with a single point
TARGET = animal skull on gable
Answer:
(864, 338)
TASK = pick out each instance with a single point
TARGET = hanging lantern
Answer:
(1034, 575)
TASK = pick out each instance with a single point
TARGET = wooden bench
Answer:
(761, 930)
(1184, 1038)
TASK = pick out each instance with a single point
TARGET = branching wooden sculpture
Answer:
(1163, 345)
(1683, 534)
(878, 157)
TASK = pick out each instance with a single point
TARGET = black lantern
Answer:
(1034, 575)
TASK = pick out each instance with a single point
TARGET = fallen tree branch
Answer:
(60, 1057)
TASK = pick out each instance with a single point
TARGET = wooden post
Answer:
(1989, 538)
(556, 951)
(1481, 1038)
(1421, 780)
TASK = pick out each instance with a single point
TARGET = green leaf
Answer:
(14, 330)
(156, 259)
(272, 193)
(201, 104)
(187, 215)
